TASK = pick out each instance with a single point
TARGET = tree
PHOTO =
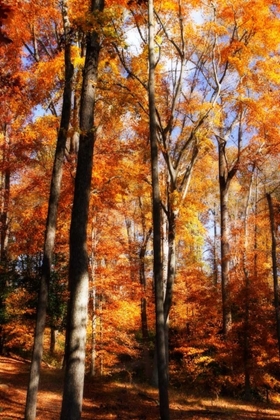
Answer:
(31, 399)
(14, 110)
(226, 173)
(78, 264)
(274, 266)
(157, 225)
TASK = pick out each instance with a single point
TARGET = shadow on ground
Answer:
(104, 400)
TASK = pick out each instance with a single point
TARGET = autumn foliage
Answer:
(217, 96)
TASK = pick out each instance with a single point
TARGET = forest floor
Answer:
(114, 400)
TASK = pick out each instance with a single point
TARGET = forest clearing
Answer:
(115, 400)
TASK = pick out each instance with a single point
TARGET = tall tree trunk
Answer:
(215, 254)
(246, 338)
(224, 182)
(143, 305)
(225, 258)
(93, 297)
(78, 264)
(173, 210)
(101, 333)
(4, 228)
(274, 267)
(33, 384)
(171, 262)
(226, 173)
(170, 280)
(174, 191)
(142, 276)
(93, 333)
(157, 221)
(5, 196)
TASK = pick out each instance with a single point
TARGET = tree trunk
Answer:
(33, 384)
(4, 230)
(226, 173)
(92, 295)
(171, 271)
(142, 276)
(131, 252)
(78, 264)
(100, 320)
(5, 196)
(225, 261)
(171, 263)
(274, 267)
(224, 182)
(157, 266)
(215, 257)
(173, 210)
(54, 332)
(93, 333)
(246, 338)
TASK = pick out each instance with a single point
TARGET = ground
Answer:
(114, 400)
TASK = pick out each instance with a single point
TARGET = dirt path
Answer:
(114, 401)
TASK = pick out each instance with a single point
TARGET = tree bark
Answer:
(5, 196)
(93, 297)
(54, 332)
(78, 264)
(247, 285)
(171, 262)
(157, 223)
(215, 257)
(274, 267)
(143, 282)
(225, 177)
(93, 333)
(34, 376)
(173, 211)
(225, 258)
(142, 276)
(226, 173)
(4, 228)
